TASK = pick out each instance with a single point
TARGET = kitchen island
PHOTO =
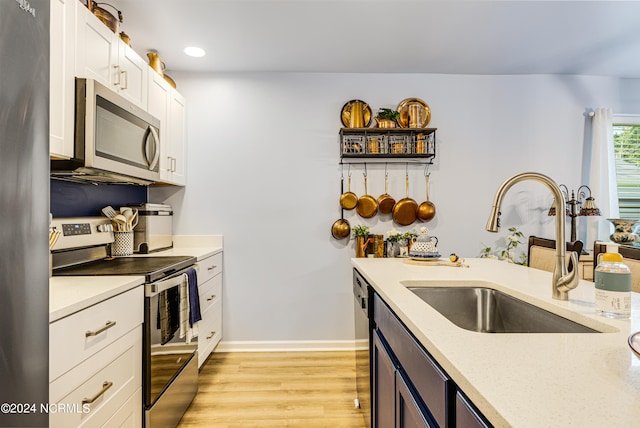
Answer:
(522, 379)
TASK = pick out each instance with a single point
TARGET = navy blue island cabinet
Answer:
(410, 389)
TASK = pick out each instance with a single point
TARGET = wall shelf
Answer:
(400, 145)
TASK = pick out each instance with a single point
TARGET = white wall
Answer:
(263, 170)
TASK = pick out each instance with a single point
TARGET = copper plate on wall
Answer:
(418, 106)
(345, 114)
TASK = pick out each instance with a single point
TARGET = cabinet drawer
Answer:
(210, 292)
(433, 385)
(92, 399)
(78, 336)
(209, 331)
(209, 267)
(130, 414)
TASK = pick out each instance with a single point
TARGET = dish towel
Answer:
(194, 297)
(189, 306)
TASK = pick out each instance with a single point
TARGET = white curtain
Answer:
(602, 176)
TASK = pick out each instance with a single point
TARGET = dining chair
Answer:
(631, 257)
(542, 252)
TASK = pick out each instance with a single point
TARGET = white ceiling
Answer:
(390, 36)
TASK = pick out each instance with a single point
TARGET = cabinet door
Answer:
(62, 78)
(408, 413)
(177, 137)
(384, 384)
(467, 416)
(131, 80)
(96, 49)
(158, 100)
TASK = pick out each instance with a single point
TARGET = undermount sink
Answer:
(486, 310)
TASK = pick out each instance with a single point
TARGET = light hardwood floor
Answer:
(276, 389)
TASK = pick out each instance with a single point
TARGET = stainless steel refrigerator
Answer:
(24, 208)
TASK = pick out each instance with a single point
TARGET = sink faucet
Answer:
(563, 280)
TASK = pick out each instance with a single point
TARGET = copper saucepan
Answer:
(341, 227)
(405, 210)
(348, 200)
(426, 210)
(367, 205)
(385, 201)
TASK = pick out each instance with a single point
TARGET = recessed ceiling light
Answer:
(194, 51)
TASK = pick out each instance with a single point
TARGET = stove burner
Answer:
(153, 268)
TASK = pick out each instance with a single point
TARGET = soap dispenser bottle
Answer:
(613, 285)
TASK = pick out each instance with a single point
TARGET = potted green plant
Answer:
(509, 253)
(393, 236)
(387, 118)
(361, 233)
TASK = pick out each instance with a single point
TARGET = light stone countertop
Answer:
(70, 294)
(520, 379)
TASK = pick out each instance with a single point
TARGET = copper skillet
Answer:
(405, 210)
(341, 228)
(386, 201)
(348, 200)
(367, 205)
(427, 209)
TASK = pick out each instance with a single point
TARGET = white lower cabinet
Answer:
(96, 367)
(210, 293)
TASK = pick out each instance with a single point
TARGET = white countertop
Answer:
(70, 294)
(520, 379)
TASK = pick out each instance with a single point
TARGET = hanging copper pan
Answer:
(405, 210)
(367, 205)
(341, 228)
(385, 201)
(426, 210)
(348, 200)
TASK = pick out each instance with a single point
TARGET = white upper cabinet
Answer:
(168, 105)
(177, 137)
(101, 55)
(61, 78)
(84, 47)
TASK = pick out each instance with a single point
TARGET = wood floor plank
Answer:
(276, 389)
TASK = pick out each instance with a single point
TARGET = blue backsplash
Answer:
(78, 200)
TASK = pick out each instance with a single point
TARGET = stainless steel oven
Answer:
(169, 359)
(170, 374)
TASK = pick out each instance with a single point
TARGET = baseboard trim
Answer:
(285, 346)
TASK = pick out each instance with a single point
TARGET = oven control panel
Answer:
(77, 232)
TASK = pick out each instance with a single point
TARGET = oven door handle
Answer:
(160, 286)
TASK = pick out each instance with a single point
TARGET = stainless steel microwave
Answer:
(115, 140)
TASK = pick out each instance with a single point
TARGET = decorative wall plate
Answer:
(418, 108)
(345, 114)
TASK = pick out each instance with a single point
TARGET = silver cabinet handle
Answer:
(213, 333)
(212, 267)
(117, 71)
(106, 327)
(213, 296)
(168, 163)
(173, 164)
(105, 386)
(126, 79)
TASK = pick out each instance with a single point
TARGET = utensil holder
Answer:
(122, 244)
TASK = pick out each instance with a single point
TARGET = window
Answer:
(626, 142)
